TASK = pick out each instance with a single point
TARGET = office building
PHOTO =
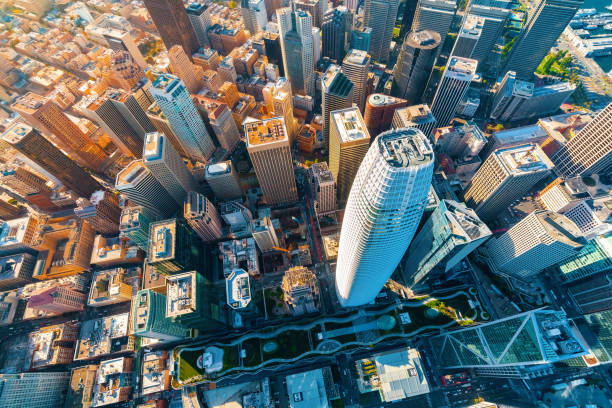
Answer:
(416, 116)
(451, 233)
(9, 211)
(254, 15)
(510, 95)
(240, 253)
(300, 289)
(44, 114)
(80, 390)
(167, 167)
(469, 36)
(16, 270)
(377, 229)
(223, 180)
(489, 29)
(207, 58)
(506, 175)
(356, 67)
(192, 301)
(337, 93)
(224, 126)
(600, 339)
(459, 141)
(323, 188)
(264, 234)
(22, 181)
(540, 240)
(507, 346)
(134, 225)
(379, 112)
(101, 211)
(587, 152)
(336, 30)
(17, 236)
(112, 286)
(595, 258)
(434, 15)
(238, 289)
(58, 300)
(201, 20)
(380, 16)
(282, 103)
(315, 7)
(176, 103)
(453, 86)
(543, 27)
(125, 70)
(182, 67)
(272, 44)
(414, 65)
(202, 217)
(175, 247)
(173, 24)
(307, 389)
(49, 389)
(348, 144)
(238, 217)
(297, 47)
(149, 317)
(361, 39)
(114, 32)
(141, 187)
(268, 146)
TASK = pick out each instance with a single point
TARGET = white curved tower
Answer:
(384, 207)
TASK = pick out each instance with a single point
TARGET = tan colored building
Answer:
(270, 152)
(52, 345)
(300, 289)
(182, 67)
(81, 385)
(283, 106)
(109, 287)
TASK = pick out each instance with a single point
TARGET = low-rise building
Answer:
(103, 337)
(112, 286)
(238, 289)
(114, 251)
(16, 270)
(154, 375)
(240, 253)
(51, 345)
(113, 382)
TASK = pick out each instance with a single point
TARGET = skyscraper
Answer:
(182, 67)
(314, 7)
(176, 103)
(379, 111)
(361, 39)
(202, 217)
(416, 116)
(175, 247)
(295, 29)
(505, 176)
(540, 240)
(469, 36)
(451, 233)
(101, 211)
(589, 151)
(435, 15)
(336, 30)
(349, 141)
(149, 317)
(282, 103)
(356, 67)
(224, 126)
(268, 146)
(199, 16)
(380, 16)
(38, 149)
(408, 17)
(543, 28)
(493, 22)
(254, 15)
(453, 86)
(323, 188)
(49, 389)
(223, 180)
(167, 167)
(337, 93)
(414, 64)
(385, 205)
(173, 25)
(125, 70)
(134, 225)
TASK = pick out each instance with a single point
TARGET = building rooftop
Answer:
(13, 232)
(103, 336)
(464, 222)
(350, 125)
(472, 27)
(401, 374)
(16, 132)
(29, 103)
(462, 67)
(523, 159)
(561, 228)
(322, 172)
(357, 57)
(307, 390)
(166, 83)
(238, 289)
(112, 378)
(162, 238)
(113, 286)
(378, 99)
(181, 294)
(111, 251)
(335, 82)
(155, 376)
(132, 174)
(239, 254)
(265, 131)
(424, 39)
(405, 147)
(153, 146)
(218, 169)
(417, 114)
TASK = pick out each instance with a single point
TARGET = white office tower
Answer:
(507, 175)
(435, 15)
(202, 217)
(380, 15)
(540, 240)
(142, 188)
(201, 21)
(590, 151)
(264, 234)
(323, 188)
(162, 160)
(469, 36)
(254, 15)
(453, 86)
(223, 180)
(511, 94)
(493, 23)
(175, 102)
(384, 208)
(303, 26)
(356, 66)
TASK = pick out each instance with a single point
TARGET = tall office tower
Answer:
(451, 233)
(313, 7)
(134, 225)
(416, 116)
(510, 95)
(507, 175)
(379, 111)
(453, 86)
(337, 93)
(543, 28)
(414, 64)
(264, 234)
(380, 16)
(58, 299)
(167, 167)
(268, 146)
(254, 15)
(223, 180)
(282, 103)
(207, 58)
(16, 270)
(227, 70)
(349, 141)
(271, 7)
(125, 70)
(200, 18)
(509, 347)
(295, 29)
(224, 126)
(408, 16)
(588, 152)
(34, 146)
(540, 240)
(435, 15)
(42, 390)
(323, 188)
(193, 302)
(175, 247)
(149, 317)
(493, 23)
(336, 30)
(45, 115)
(459, 141)
(101, 211)
(172, 24)
(356, 67)
(176, 103)
(142, 188)
(162, 125)
(182, 67)
(114, 32)
(361, 39)
(202, 217)
(385, 205)
(469, 36)
(274, 53)
(316, 44)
